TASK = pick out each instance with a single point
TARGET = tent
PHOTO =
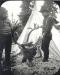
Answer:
(37, 18)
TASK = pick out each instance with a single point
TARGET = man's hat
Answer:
(44, 9)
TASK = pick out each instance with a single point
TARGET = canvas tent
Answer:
(36, 17)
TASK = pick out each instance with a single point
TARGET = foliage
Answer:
(50, 6)
(24, 18)
(24, 14)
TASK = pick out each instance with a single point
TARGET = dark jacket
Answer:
(49, 24)
(5, 28)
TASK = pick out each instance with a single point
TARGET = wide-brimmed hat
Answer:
(44, 9)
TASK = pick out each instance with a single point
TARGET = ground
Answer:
(40, 68)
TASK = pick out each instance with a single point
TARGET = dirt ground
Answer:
(39, 68)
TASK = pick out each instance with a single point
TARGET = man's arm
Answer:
(57, 26)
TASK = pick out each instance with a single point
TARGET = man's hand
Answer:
(57, 26)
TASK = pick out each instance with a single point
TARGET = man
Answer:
(5, 36)
(48, 22)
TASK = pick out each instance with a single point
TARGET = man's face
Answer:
(45, 13)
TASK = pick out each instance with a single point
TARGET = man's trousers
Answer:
(45, 45)
(5, 43)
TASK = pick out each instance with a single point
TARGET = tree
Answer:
(25, 13)
(50, 6)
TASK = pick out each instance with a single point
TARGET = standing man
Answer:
(48, 22)
(5, 36)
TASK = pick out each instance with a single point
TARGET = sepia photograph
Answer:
(29, 37)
